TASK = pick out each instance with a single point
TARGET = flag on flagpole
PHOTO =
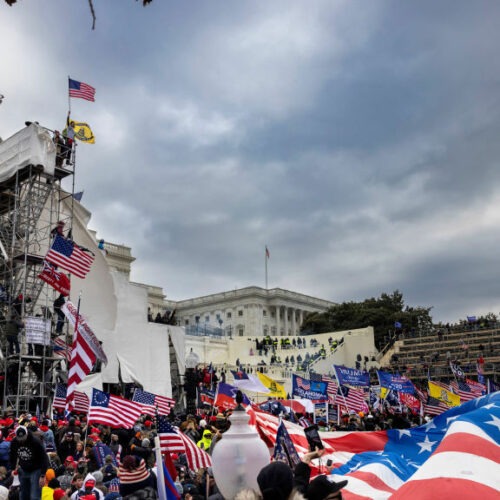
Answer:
(81, 90)
(82, 361)
(268, 255)
(68, 255)
(83, 132)
(61, 349)
(276, 390)
(115, 411)
(150, 402)
(173, 440)
(80, 399)
(57, 280)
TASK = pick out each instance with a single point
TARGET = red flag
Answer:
(55, 279)
(169, 464)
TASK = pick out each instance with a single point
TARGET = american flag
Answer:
(81, 90)
(66, 254)
(303, 383)
(463, 390)
(331, 388)
(173, 440)
(352, 397)
(80, 399)
(61, 349)
(82, 361)
(115, 411)
(455, 452)
(150, 402)
(477, 388)
(169, 436)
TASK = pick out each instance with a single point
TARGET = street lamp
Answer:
(240, 455)
(192, 361)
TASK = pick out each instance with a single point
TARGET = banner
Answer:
(70, 311)
(442, 394)
(37, 330)
(309, 389)
(351, 376)
(395, 382)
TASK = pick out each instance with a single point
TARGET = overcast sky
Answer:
(358, 140)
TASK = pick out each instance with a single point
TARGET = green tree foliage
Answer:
(381, 313)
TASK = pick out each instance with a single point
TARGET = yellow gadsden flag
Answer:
(276, 390)
(447, 397)
(82, 132)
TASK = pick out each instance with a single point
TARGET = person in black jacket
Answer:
(28, 457)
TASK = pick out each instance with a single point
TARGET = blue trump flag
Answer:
(397, 383)
(284, 448)
(351, 376)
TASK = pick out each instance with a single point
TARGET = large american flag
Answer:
(80, 400)
(66, 254)
(81, 90)
(115, 411)
(173, 440)
(150, 402)
(458, 451)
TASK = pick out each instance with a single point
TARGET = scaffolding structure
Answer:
(30, 206)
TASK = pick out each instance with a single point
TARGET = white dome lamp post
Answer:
(240, 455)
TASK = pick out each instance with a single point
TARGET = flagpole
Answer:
(69, 98)
(340, 388)
(266, 257)
(68, 402)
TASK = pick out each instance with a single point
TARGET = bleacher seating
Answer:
(422, 355)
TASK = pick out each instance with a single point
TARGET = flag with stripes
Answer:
(454, 454)
(81, 364)
(108, 409)
(173, 440)
(80, 400)
(68, 255)
(61, 349)
(476, 388)
(462, 389)
(352, 397)
(151, 403)
(81, 90)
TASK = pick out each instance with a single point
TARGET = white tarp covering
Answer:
(32, 145)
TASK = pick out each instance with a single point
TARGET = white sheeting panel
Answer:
(30, 146)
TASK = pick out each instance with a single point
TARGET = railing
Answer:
(204, 330)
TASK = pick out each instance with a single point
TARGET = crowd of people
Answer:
(63, 459)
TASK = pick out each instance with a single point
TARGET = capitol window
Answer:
(240, 313)
(228, 315)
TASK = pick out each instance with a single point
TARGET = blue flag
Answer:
(351, 376)
(284, 448)
(397, 383)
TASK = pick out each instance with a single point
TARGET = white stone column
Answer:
(294, 324)
(277, 312)
(286, 320)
